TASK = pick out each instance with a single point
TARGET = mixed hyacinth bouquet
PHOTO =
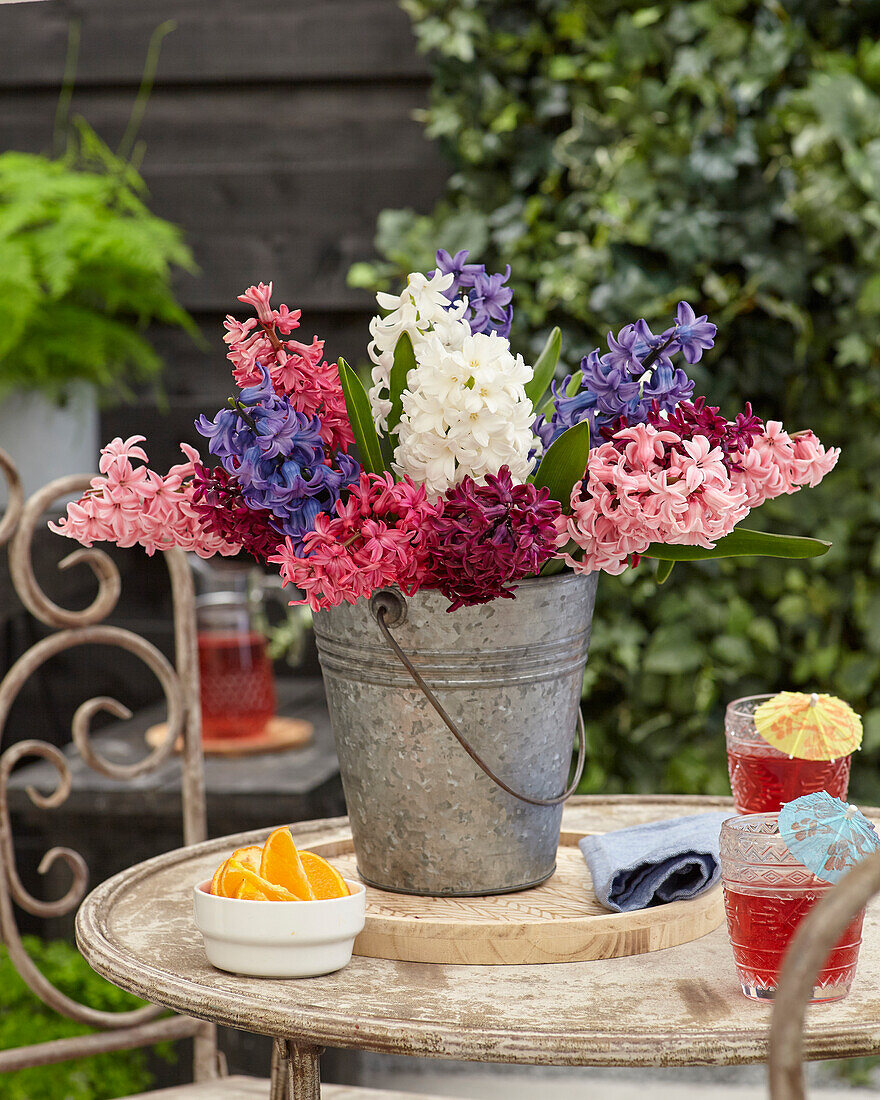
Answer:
(468, 475)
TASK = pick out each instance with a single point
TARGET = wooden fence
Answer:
(276, 132)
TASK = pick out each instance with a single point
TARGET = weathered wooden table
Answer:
(680, 1006)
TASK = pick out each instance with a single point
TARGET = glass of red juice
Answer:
(767, 893)
(237, 686)
(762, 778)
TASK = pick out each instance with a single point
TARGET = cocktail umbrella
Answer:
(811, 727)
(828, 836)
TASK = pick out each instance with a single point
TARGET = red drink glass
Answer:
(767, 893)
(762, 778)
(237, 684)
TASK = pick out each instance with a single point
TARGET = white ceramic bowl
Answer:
(279, 939)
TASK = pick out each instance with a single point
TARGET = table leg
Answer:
(278, 1082)
(207, 1060)
(296, 1071)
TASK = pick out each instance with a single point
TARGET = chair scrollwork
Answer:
(179, 684)
(21, 566)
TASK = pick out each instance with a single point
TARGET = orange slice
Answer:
(270, 891)
(281, 865)
(248, 892)
(217, 880)
(249, 856)
(325, 880)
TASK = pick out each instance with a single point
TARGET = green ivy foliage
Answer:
(24, 1019)
(622, 156)
(84, 268)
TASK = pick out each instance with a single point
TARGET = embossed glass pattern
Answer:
(762, 778)
(237, 687)
(767, 893)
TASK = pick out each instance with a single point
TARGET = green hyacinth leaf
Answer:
(404, 362)
(664, 568)
(552, 567)
(557, 565)
(544, 368)
(564, 464)
(743, 543)
(357, 405)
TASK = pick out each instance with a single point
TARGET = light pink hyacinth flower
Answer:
(660, 488)
(134, 505)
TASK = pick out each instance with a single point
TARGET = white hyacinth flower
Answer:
(421, 308)
(465, 412)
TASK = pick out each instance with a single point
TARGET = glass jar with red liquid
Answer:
(767, 893)
(762, 778)
(237, 684)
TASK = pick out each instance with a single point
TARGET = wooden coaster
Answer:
(558, 921)
(280, 734)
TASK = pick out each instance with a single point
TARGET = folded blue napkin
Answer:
(647, 865)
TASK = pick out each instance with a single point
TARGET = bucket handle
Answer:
(381, 610)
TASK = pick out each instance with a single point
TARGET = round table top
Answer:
(679, 1006)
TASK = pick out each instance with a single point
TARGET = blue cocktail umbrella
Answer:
(828, 836)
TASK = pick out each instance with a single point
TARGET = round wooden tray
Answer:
(280, 734)
(559, 921)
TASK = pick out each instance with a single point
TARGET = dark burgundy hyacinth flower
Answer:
(488, 536)
(221, 509)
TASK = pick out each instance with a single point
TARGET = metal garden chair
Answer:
(180, 684)
(809, 949)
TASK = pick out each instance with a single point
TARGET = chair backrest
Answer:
(180, 684)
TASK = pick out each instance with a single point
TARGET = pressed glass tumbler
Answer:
(767, 893)
(762, 778)
(237, 687)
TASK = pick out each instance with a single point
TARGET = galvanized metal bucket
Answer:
(426, 817)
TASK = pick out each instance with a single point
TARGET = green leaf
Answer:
(544, 369)
(557, 565)
(564, 464)
(664, 568)
(404, 362)
(357, 405)
(741, 543)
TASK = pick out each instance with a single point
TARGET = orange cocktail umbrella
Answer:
(810, 727)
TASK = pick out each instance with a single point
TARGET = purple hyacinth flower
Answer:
(490, 306)
(457, 266)
(279, 430)
(262, 392)
(647, 342)
(611, 385)
(621, 354)
(693, 334)
(249, 467)
(222, 432)
(278, 459)
(667, 386)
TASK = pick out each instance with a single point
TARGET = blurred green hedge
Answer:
(621, 157)
(24, 1020)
